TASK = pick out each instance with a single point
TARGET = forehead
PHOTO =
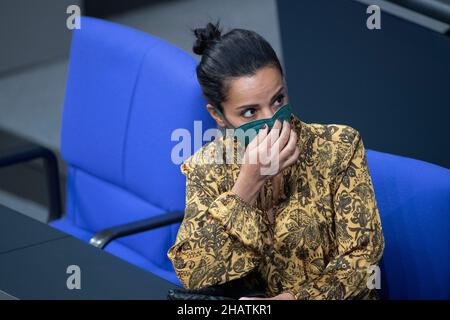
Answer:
(256, 89)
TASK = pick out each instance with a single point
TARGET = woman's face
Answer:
(252, 98)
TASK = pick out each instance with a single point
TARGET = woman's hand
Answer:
(266, 156)
(282, 296)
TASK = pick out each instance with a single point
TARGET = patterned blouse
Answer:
(326, 233)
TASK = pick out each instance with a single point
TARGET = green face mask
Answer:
(249, 130)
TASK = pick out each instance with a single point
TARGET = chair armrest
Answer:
(102, 238)
(32, 152)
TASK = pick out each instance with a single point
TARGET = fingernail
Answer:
(265, 125)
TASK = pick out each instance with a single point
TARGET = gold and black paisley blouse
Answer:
(325, 236)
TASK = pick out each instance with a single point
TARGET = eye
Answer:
(280, 99)
(248, 113)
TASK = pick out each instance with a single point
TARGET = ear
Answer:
(215, 115)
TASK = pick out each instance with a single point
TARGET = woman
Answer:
(310, 229)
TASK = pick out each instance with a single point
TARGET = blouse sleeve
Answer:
(220, 238)
(358, 234)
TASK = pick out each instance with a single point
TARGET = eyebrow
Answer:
(255, 105)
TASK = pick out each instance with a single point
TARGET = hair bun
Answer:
(205, 37)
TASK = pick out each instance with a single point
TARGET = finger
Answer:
(284, 137)
(250, 155)
(289, 149)
(262, 134)
(291, 160)
(273, 134)
(276, 157)
(266, 143)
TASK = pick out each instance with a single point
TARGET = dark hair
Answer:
(237, 53)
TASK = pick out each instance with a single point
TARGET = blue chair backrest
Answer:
(127, 91)
(413, 198)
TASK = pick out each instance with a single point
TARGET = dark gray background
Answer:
(393, 84)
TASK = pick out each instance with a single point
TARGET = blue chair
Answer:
(413, 199)
(126, 93)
